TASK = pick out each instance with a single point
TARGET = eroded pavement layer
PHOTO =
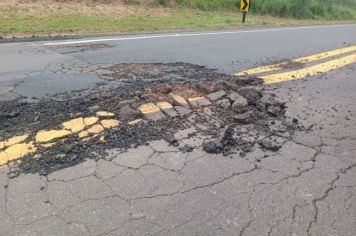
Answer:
(155, 101)
(177, 149)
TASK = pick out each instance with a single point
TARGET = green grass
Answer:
(187, 15)
(82, 23)
(77, 23)
(306, 9)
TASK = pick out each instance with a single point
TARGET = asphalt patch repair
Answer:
(228, 115)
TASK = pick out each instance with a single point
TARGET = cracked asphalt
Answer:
(307, 187)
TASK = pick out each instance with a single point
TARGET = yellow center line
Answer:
(309, 71)
(302, 60)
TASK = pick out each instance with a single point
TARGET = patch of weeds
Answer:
(161, 2)
(132, 2)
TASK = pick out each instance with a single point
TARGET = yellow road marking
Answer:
(48, 145)
(164, 105)
(90, 120)
(20, 150)
(259, 70)
(302, 60)
(74, 125)
(105, 114)
(149, 108)
(3, 158)
(195, 99)
(309, 71)
(83, 134)
(14, 149)
(110, 123)
(95, 129)
(13, 140)
(180, 100)
(44, 136)
(324, 55)
(134, 122)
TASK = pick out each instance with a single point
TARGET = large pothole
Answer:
(230, 116)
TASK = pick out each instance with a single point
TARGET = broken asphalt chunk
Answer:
(182, 111)
(151, 112)
(199, 101)
(216, 96)
(167, 108)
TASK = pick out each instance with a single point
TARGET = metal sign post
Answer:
(245, 6)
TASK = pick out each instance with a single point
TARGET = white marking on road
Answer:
(188, 34)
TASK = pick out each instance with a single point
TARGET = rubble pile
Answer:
(230, 115)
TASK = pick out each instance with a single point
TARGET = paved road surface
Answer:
(306, 188)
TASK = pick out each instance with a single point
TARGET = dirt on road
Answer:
(232, 116)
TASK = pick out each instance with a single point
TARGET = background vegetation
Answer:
(53, 17)
(310, 9)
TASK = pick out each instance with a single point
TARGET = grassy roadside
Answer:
(45, 17)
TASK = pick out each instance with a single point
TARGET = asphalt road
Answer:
(307, 187)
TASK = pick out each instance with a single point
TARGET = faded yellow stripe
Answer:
(259, 70)
(303, 60)
(324, 55)
(309, 71)
(149, 108)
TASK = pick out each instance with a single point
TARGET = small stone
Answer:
(187, 148)
(199, 101)
(180, 101)
(185, 133)
(155, 116)
(212, 147)
(246, 117)
(207, 111)
(68, 148)
(274, 110)
(127, 113)
(167, 108)
(268, 99)
(245, 138)
(270, 144)
(252, 94)
(94, 108)
(182, 111)
(217, 95)
(126, 102)
(243, 130)
(238, 101)
(151, 111)
(224, 103)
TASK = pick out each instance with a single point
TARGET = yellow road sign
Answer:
(245, 5)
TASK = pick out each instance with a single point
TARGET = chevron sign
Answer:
(245, 5)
